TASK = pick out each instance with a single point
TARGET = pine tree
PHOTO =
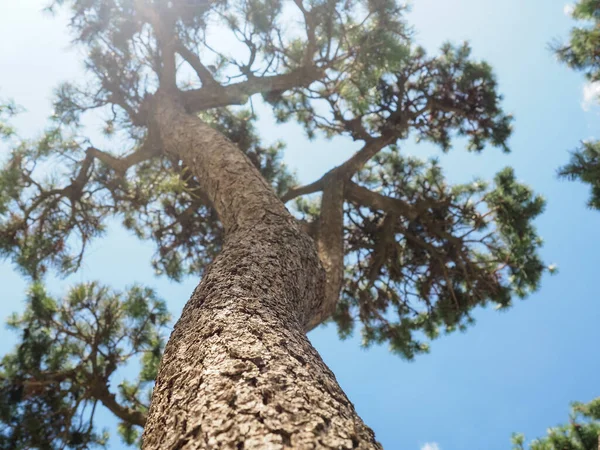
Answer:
(581, 433)
(381, 242)
(581, 53)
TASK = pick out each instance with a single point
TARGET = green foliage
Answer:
(432, 98)
(412, 276)
(44, 224)
(37, 215)
(581, 433)
(7, 111)
(581, 53)
(448, 249)
(129, 433)
(60, 372)
(420, 253)
(585, 166)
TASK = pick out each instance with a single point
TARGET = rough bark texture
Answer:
(238, 371)
(330, 244)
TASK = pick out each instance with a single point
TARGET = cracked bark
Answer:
(238, 371)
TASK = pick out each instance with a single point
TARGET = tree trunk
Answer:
(238, 371)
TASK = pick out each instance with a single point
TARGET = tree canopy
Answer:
(408, 255)
(581, 433)
(580, 53)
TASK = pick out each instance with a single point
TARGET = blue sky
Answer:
(513, 371)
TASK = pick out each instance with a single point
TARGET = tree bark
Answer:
(238, 371)
(330, 247)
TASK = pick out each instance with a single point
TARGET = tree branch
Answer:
(330, 245)
(33, 386)
(166, 43)
(344, 171)
(83, 175)
(237, 94)
(384, 242)
(108, 399)
(310, 228)
(193, 60)
(360, 158)
(146, 151)
(366, 197)
(98, 390)
(310, 25)
(337, 187)
(317, 186)
(118, 98)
